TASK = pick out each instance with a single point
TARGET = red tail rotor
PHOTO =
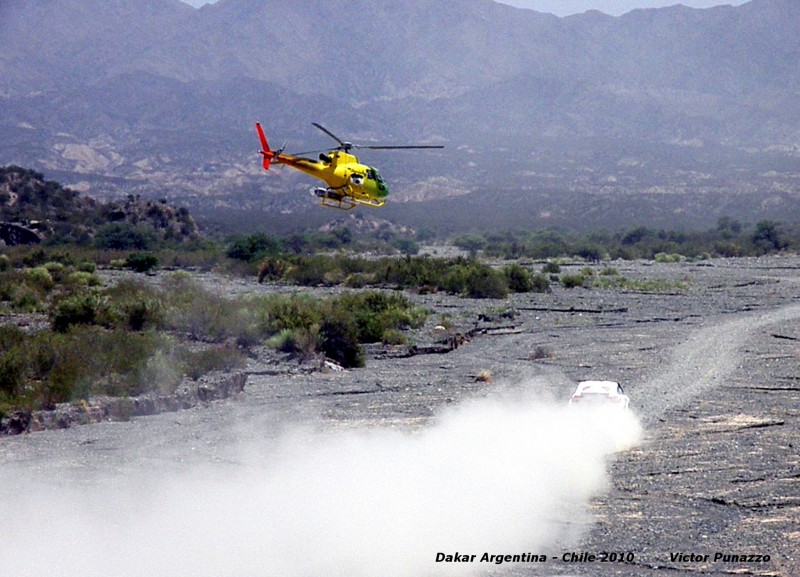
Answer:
(266, 152)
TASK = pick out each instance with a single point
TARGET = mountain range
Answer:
(689, 112)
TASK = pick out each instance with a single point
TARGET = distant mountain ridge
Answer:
(165, 96)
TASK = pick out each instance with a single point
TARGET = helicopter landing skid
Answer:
(333, 198)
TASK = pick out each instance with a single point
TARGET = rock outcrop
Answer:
(189, 394)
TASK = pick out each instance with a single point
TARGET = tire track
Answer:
(705, 360)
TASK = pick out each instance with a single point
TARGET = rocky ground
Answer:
(712, 370)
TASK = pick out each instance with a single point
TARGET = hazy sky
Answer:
(566, 7)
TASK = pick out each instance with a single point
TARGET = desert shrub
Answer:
(589, 252)
(410, 272)
(27, 298)
(541, 284)
(112, 362)
(191, 309)
(406, 246)
(454, 279)
(55, 268)
(727, 249)
(572, 280)
(5, 263)
(35, 257)
(9, 281)
(472, 243)
(82, 278)
(132, 305)
(276, 313)
(125, 236)
(551, 267)
(141, 261)
(253, 247)
(53, 368)
(217, 358)
(336, 326)
(484, 282)
(86, 266)
(313, 271)
(271, 269)
(394, 337)
(40, 277)
(76, 309)
(375, 312)
(339, 340)
(13, 366)
(519, 279)
(298, 341)
(359, 280)
(202, 315)
(768, 237)
(669, 258)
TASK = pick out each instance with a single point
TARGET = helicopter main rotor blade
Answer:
(331, 134)
(400, 147)
(311, 152)
(346, 146)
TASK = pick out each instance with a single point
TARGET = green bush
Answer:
(27, 298)
(253, 247)
(271, 269)
(519, 279)
(40, 277)
(218, 358)
(77, 309)
(541, 284)
(132, 305)
(12, 361)
(669, 258)
(375, 312)
(125, 236)
(192, 310)
(313, 271)
(339, 341)
(486, 283)
(572, 280)
(551, 267)
(87, 266)
(82, 278)
(298, 341)
(394, 337)
(276, 313)
(141, 261)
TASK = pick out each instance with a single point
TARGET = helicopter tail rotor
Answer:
(265, 151)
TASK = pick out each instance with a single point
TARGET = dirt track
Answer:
(712, 371)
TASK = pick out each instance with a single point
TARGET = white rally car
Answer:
(599, 394)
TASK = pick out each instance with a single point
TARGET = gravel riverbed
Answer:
(712, 370)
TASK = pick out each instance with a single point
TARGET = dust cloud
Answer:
(505, 474)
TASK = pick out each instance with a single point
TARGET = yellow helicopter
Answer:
(350, 183)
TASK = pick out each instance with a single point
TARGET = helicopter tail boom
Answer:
(266, 152)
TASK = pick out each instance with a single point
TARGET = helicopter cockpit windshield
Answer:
(373, 174)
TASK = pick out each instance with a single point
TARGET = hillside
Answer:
(62, 214)
(675, 101)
